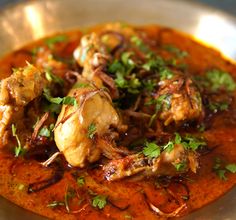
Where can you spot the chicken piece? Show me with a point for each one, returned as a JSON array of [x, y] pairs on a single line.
[[93, 56], [164, 165], [79, 129], [16, 91], [182, 100]]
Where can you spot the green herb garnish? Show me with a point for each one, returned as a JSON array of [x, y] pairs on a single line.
[[220, 79], [52, 77], [58, 100], [80, 181], [19, 150], [220, 169], [180, 166], [99, 201], [91, 130], [151, 150], [54, 40], [173, 49]]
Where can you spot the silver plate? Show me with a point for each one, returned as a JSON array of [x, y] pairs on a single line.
[[22, 23]]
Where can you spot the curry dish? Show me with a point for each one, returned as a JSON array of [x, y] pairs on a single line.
[[116, 122]]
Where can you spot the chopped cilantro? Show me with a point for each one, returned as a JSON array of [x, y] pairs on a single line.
[[68, 100], [99, 201], [221, 174], [180, 166], [192, 143], [166, 73], [173, 49], [151, 150], [140, 44], [52, 107], [19, 150], [178, 138], [218, 106], [45, 132], [58, 100], [220, 169], [80, 181], [57, 39], [169, 146], [91, 130], [155, 63], [160, 102], [231, 167], [149, 85], [116, 66], [126, 60], [220, 79], [52, 77]]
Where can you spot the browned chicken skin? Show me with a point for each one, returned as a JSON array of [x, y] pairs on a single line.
[[164, 165], [185, 103], [23, 86], [72, 130]]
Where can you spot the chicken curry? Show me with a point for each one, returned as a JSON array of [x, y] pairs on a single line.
[[116, 122]]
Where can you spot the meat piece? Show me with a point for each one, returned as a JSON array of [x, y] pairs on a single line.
[[182, 100], [16, 91], [24, 85], [94, 111], [164, 165], [93, 56]]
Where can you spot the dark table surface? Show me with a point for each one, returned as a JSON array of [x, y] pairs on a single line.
[[226, 5]]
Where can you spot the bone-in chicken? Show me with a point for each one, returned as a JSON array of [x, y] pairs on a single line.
[[93, 56], [164, 165], [82, 132], [16, 91]]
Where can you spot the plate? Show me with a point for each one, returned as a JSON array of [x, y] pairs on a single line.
[[32, 20]]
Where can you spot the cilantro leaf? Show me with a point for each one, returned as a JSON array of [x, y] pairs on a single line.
[[180, 166], [220, 79], [53, 40], [19, 150], [231, 167], [45, 132], [99, 201], [52, 77], [80, 181], [140, 44], [151, 150], [58, 100], [169, 146], [173, 49], [221, 174], [68, 100], [192, 143], [91, 130]]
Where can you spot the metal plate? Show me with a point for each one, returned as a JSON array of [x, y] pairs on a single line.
[[22, 23]]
